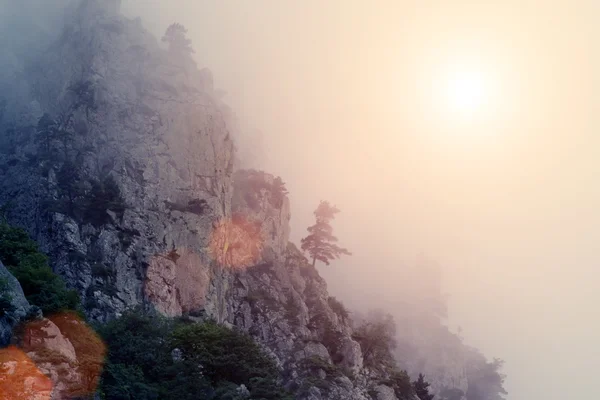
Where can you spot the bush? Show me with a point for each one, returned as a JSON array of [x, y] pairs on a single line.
[[338, 308], [229, 356], [103, 196], [422, 388], [42, 287], [6, 305], [400, 382], [214, 361], [376, 337]]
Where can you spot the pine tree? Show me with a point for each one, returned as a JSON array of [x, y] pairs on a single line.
[[422, 388], [46, 130], [320, 243], [176, 38]]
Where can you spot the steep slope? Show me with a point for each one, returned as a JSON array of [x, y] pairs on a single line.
[[121, 169], [134, 159], [117, 156]]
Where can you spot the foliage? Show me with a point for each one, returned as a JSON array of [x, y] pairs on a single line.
[[278, 192], [41, 286], [213, 362], [422, 388], [176, 38], [69, 182], [320, 243], [6, 305], [103, 196], [376, 336], [332, 340], [53, 136], [485, 380], [252, 182], [338, 308], [400, 382], [452, 394]]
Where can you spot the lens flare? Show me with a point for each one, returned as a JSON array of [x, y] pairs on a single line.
[[68, 351], [236, 243], [20, 378], [90, 351]]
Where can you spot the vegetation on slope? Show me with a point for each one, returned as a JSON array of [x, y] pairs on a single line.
[[150, 357], [42, 287]]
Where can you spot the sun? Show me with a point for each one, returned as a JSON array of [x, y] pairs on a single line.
[[466, 91]]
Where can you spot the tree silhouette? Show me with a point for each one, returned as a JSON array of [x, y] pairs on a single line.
[[422, 388], [176, 38], [320, 243], [46, 130]]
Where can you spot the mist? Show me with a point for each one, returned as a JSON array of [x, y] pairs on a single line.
[[329, 96], [509, 212]]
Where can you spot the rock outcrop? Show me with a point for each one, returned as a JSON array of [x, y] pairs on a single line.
[[121, 168], [132, 162], [118, 157], [13, 305]]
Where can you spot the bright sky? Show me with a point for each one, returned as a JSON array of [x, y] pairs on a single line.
[[465, 129]]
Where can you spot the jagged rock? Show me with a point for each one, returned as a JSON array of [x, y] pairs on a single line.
[[352, 355], [135, 116], [429, 348], [53, 355], [20, 379], [385, 393], [176, 354], [177, 284], [314, 350], [45, 334], [148, 213], [65, 350], [314, 394], [15, 305], [243, 391]]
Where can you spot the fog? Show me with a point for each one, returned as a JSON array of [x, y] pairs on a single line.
[[507, 206], [335, 98]]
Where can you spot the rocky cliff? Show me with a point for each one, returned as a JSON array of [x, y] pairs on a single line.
[[133, 160], [120, 164], [117, 156]]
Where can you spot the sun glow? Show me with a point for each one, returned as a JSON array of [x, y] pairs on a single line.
[[466, 91]]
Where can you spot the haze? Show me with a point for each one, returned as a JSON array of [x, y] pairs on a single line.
[[344, 100], [506, 203]]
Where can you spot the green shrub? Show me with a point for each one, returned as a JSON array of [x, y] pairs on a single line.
[[42, 287], [338, 308], [103, 196], [228, 356], [400, 382], [5, 305], [213, 361]]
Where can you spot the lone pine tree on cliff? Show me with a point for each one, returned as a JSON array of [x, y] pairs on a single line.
[[176, 38], [320, 243], [422, 388]]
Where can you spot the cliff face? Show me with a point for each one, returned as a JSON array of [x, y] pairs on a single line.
[[136, 136], [120, 165], [427, 347], [117, 157]]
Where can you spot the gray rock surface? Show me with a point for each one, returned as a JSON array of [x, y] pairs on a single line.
[[18, 306], [135, 200]]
